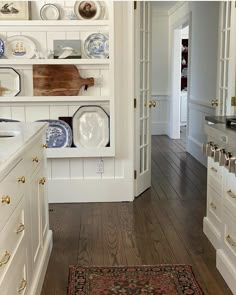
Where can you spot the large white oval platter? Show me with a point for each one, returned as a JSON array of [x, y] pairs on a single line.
[[91, 127]]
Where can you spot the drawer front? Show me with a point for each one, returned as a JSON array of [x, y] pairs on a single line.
[[15, 280], [34, 156], [11, 237], [12, 188], [214, 208], [229, 192], [214, 169], [229, 236], [215, 183]]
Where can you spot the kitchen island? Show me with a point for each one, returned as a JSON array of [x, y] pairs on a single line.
[[25, 238]]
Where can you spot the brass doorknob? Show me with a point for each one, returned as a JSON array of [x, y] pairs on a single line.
[[42, 181], [152, 104], [215, 102], [21, 179]]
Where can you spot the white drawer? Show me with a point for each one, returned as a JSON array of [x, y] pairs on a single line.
[[214, 169], [16, 276], [229, 236], [34, 156], [214, 208], [11, 237], [229, 192], [11, 192]]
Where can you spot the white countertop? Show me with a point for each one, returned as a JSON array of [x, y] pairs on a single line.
[[12, 147]]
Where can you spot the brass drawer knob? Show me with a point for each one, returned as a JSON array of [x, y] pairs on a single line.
[[23, 285], [35, 159], [213, 206], [230, 241], [21, 179], [6, 200], [42, 181], [5, 258], [20, 228], [45, 145]]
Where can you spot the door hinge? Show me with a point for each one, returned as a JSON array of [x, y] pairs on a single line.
[[233, 101], [135, 5], [135, 174], [135, 103]]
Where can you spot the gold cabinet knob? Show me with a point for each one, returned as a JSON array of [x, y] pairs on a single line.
[[5, 259], [214, 102], [42, 181], [23, 285], [152, 103], [45, 146], [20, 228], [21, 179], [35, 159], [6, 200]]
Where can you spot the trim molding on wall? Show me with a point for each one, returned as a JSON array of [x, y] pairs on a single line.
[[195, 147]]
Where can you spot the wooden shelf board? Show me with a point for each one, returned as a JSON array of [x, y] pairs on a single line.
[[80, 152], [63, 23], [52, 99], [32, 61]]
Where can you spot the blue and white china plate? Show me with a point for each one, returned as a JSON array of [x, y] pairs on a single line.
[[58, 134], [19, 47], [97, 46], [10, 81], [1, 47], [91, 127]]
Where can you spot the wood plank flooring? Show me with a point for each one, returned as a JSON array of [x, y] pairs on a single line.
[[163, 225]]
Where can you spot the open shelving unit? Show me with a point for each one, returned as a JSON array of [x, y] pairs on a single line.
[[27, 107]]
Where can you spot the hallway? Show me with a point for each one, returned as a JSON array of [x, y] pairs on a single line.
[[163, 225]]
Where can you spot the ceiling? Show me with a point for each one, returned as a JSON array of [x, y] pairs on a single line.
[[163, 5]]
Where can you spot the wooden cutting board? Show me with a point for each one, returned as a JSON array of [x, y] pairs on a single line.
[[58, 80]]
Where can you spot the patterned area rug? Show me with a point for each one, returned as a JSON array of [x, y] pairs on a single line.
[[134, 280]]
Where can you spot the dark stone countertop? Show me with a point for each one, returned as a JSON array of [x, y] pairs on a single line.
[[218, 119]]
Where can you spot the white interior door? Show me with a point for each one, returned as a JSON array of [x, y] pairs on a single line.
[[143, 104], [227, 58]]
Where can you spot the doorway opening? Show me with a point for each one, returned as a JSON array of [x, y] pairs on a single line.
[[184, 81]]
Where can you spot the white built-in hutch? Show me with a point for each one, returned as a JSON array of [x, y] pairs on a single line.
[[73, 170]]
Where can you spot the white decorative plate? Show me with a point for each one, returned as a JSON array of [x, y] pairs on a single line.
[[19, 47], [58, 134], [97, 46], [87, 9], [10, 83], [50, 12], [91, 127]]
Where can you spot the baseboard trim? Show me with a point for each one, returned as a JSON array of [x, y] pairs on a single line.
[[226, 269], [90, 190], [194, 147], [42, 267], [159, 128]]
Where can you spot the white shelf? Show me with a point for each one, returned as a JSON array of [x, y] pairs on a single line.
[[52, 99], [54, 61], [80, 152], [29, 23]]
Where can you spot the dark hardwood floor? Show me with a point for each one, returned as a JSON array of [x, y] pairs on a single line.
[[163, 225]]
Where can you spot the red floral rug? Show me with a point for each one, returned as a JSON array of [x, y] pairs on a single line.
[[133, 280]]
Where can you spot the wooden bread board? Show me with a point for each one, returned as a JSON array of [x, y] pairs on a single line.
[[58, 80]]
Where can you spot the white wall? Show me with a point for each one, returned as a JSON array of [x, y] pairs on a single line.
[[203, 72], [160, 61], [203, 18]]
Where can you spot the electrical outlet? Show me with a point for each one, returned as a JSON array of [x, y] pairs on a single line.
[[100, 166]]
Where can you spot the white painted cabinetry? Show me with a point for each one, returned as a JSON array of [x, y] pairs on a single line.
[[25, 239], [220, 221]]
